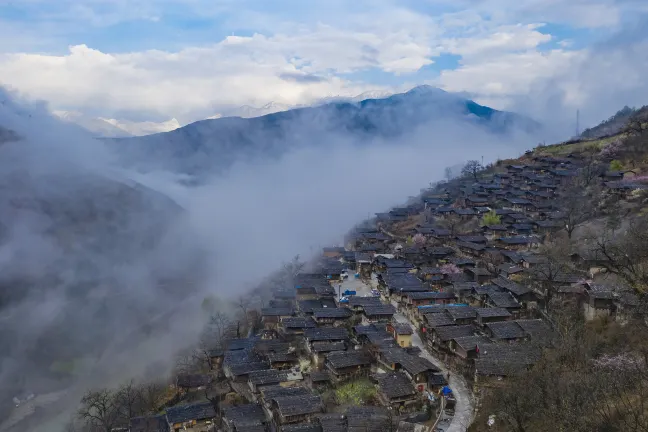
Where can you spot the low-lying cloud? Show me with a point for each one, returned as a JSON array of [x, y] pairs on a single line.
[[111, 265]]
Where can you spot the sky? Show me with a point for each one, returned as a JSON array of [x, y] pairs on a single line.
[[153, 60]]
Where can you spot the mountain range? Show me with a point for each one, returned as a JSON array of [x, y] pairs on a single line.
[[210, 145]]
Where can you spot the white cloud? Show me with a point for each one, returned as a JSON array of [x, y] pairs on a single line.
[[505, 74], [290, 69], [501, 39]]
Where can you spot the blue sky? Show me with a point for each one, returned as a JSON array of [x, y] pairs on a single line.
[[189, 59]]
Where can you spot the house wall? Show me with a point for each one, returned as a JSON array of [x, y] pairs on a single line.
[[404, 340], [591, 312]]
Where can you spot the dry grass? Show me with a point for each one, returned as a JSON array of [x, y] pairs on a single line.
[[577, 147]]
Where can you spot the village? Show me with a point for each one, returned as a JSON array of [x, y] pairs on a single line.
[[407, 325]]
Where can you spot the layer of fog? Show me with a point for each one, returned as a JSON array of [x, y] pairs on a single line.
[[234, 230]]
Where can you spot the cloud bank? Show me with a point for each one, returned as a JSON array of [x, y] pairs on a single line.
[[118, 261]]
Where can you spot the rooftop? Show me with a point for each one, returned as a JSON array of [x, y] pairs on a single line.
[[195, 411], [506, 330], [345, 359], [395, 385], [326, 333]]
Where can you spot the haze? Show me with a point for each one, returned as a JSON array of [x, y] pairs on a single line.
[[222, 237]]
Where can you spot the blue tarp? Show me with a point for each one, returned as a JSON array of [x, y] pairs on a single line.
[[446, 390], [442, 305]]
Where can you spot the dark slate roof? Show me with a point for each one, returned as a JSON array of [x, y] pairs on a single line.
[[244, 415], [383, 309], [195, 411], [511, 286], [496, 227], [439, 251], [471, 246], [509, 268], [395, 385], [472, 238], [439, 319], [519, 240], [307, 306], [402, 328], [537, 329], [271, 345], [368, 419], [268, 376], [469, 343], [273, 392], [462, 261], [246, 368], [299, 405], [464, 211], [492, 312], [326, 346], [332, 422], [522, 227], [430, 295], [157, 423], [298, 322], [363, 301], [461, 312], [326, 333], [301, 427], [251, 428], [240, 344], [506, 330], [505, 359], [411, 363], [464, 286], [486, 289], [478, 271], [344, 359], [451, 332], [332, 313], [276, 311], [503, 300], [282, 357], [514, 256]]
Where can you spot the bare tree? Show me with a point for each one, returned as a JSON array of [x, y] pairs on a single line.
[[472, 168], [152, 395], [244, 303], [98, 410], [591, 171], [578, 207], [128, 401], [626, 254], [552, 270]]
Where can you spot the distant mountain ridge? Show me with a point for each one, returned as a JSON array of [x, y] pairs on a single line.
[[212, 145]]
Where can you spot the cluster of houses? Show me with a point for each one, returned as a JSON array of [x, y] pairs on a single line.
[[309, 344], [464, 283], [459, 284]]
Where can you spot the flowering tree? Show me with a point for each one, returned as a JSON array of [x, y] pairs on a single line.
[[448, 269], [612, 150], [418, 239]]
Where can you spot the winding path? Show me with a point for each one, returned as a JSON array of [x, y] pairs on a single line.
[[464, 406]]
